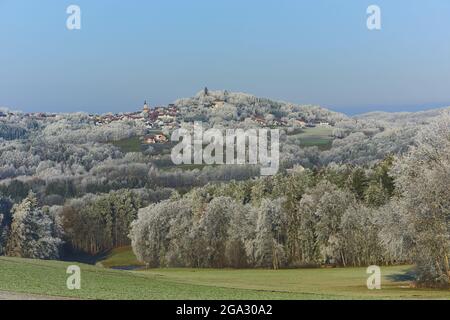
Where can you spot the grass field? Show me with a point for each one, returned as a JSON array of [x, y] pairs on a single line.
[[317, 136], [133, 144], [49, 278], [307, 137], [129, 145]]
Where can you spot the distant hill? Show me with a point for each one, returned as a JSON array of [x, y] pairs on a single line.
[[420, 117], [219, 106]]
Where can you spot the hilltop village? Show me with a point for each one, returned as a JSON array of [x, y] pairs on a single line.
[[216, 108]]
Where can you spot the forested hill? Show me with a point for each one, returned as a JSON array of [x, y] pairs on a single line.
[[219, 106]]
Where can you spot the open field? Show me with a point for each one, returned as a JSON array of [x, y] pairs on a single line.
[[318, 136], [129, 145], [307, 137], [133, 144], [49, 278]]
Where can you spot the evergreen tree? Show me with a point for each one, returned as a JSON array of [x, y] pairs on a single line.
[[5, 221], [33, 232]]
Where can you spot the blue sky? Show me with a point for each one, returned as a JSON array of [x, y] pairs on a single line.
[[317, 52]]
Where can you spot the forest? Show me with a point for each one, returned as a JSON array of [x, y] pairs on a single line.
[[378, 194]]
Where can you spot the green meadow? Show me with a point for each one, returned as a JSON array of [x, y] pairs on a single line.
[[318, 136], [49, 278]]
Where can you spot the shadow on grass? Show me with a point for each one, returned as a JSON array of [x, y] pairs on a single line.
[[128, 268], [407, 275], [82, 257]]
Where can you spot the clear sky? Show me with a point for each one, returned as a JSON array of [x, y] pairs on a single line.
[[317, 52]]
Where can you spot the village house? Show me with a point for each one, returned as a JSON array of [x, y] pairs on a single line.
[[300, 123], [260, 120], [166, 118], [324, 124], [279, 122], [158, 138]]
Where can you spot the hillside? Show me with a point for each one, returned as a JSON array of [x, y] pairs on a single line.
[[223, 107]]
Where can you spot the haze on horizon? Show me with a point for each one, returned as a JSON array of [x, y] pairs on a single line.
[[298, 51]]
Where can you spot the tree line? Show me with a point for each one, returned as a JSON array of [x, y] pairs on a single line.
[[90, 225], [396, 211], [303, 218]]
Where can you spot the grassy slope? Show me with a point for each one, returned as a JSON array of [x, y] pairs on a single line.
[[49, 278], [120, 257], [318, 136]]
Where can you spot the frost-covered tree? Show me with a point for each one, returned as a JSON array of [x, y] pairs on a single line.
[[358, 239], [33, 232], [395, 233], [240, 232], [213, 228], [150, 231], [307, 246], [422, 178], [298, 228], [270, 236], [331, 207]]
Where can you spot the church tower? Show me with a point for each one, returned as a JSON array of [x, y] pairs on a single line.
[[146, 108]]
